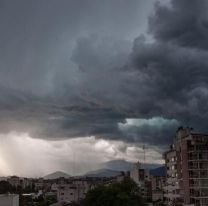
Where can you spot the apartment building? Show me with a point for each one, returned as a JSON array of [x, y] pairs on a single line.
[[142, 178], [172, 188], [187, 168], [72, 192]]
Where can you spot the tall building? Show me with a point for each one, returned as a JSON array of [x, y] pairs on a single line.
[[172, 188], [187, 168]]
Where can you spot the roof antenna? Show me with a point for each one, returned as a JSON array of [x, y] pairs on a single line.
[[144, 152], [73, 162]]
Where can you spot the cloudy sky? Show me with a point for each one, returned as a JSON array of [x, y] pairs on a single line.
[[87, 82]]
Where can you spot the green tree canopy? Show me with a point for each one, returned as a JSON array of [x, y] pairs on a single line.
[[124, 193]]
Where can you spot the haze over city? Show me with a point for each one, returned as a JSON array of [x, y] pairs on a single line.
[[86, 82]]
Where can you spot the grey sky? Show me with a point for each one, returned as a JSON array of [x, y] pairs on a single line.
[[122, 72]]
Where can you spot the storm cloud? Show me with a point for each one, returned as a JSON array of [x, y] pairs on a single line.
[[174, 65], [70, 69]]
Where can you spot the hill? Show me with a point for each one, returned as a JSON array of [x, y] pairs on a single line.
[[160, 171], [56, 175]]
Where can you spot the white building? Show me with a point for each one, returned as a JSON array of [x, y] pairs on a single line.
[[9, 200], [142, 178]]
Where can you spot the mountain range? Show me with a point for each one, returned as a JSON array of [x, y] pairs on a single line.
[[123, 165], [103, 173], [112, 169]]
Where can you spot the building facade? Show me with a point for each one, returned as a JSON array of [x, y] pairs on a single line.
[[72, 192], [172, 188], [187, 168]]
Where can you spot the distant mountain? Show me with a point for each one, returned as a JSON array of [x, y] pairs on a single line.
[[56, 175], [123, 165], [103, 173], [118, 165], [113, 168], [160, 171]]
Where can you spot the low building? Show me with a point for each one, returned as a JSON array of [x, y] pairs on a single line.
[[158, 183], [9, 200]]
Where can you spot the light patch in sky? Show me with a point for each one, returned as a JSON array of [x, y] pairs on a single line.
[[154, 122], [156, 131], [25, 156]]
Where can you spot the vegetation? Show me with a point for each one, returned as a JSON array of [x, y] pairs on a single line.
[[5, 187], [124, 193], [40, 201]]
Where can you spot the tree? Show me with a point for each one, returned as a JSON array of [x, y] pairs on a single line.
[[160, 204], [124, 193], [5, 187]]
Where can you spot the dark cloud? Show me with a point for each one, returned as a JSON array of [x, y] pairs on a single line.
[[37, 37], [68, 71], [173, 76], [175, 64], [184, 23]]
